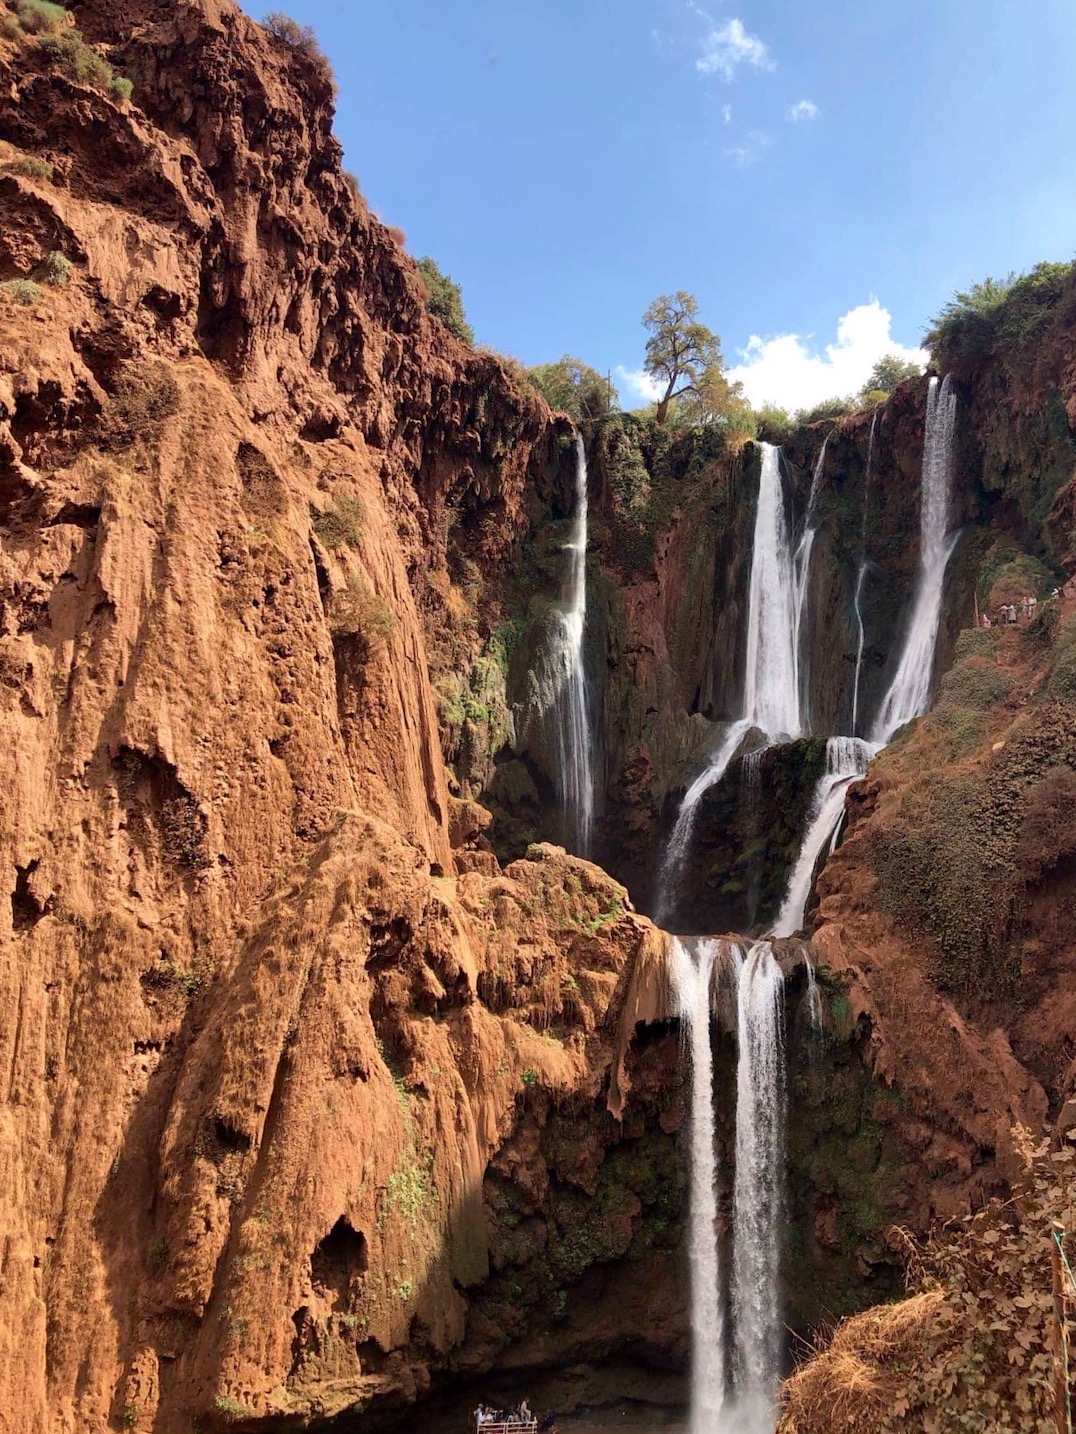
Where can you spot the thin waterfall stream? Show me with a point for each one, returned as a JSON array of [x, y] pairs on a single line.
[[574, 727], [861, 576]]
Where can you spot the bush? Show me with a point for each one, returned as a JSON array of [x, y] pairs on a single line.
[[32, 167], [573, 387], [144, 396], [56, 270], [70, 53], [352, 182], [341, 525], [444, 300], [886, 374], [997, 315], [41, 18], [22, 291], [773, 424], [122, 88], [359, 613], [301, 39], [10, 28], [828, 408]]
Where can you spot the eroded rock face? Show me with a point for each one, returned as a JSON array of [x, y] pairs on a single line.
[[309, 1107]]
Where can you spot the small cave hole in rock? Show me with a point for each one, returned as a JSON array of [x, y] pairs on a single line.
[[338, 1259], [25, 907]]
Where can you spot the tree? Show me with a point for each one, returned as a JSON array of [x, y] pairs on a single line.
[[887, 373], [679, 350], [573, 387], [444, 300], [716, 400]]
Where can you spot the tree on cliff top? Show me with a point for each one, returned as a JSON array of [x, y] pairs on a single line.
[[444, 300], [679, 350], [573, 387], [887, 373]]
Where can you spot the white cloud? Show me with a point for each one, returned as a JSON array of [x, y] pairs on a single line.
[[786, 370], [726, 48], [751, 147], [726, 113], [638, 385], [803, 110]]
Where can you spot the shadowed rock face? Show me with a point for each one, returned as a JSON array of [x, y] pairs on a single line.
[[309, 1107]]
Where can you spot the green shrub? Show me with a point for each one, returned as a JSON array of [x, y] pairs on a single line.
[[56, 270], [444, 300], [341, 525], [358, 612], [70, 53], [22, 291], [828, 408], [31, 167], [998, 314], [530, 1077], [10, 28], [573, 387], [121, 88], [773, 424], [41, 18]]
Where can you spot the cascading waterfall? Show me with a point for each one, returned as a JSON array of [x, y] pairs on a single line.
[[758, 1197], [575, 775], [693, 976], [772, 690], [802, 575], [909, 692], [861, 578], [846, 760], [772, 687], [676, 849]]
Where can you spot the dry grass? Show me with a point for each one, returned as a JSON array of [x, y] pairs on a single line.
[[849, 1386]]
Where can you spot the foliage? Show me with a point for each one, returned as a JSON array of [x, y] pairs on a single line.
[[32, 167], [10, 29], [972, 1349], [444, 300], [887, 373], [352, 182], [122, 88], [573, 387], [828, 408], [680, 349], [301, 39], [144, 396], [716, 400], [530, 1077], [341, 525], [70, 53], [40, 17], [773, 424], [22, 291], [358, 612], [997, 314], [55, 270]]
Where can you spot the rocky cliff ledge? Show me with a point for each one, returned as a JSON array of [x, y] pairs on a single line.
[[310, 1107]]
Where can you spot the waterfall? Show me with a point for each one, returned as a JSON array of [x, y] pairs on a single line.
[[909, 692], [814, 1000], [574, 776], [772, 695], [846, 759], [676, 849], [860, 576], [802, 577], [758, 1198], [693, 977]]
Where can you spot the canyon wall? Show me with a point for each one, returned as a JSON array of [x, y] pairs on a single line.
[[309, 1106]]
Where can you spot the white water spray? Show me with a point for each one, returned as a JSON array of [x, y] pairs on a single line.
[[679, 842], [772, 689], [758, 1199], [693, 976], [909, 692], [846, 759], [861, 577], [575, 775], [801, 566]]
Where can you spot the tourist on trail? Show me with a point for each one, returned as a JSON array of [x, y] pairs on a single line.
[[986, 619], [1032, 604]]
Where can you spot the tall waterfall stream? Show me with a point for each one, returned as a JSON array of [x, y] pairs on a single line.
[[738, 1334]]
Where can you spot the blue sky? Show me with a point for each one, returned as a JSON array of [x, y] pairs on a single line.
[[567, 160]]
